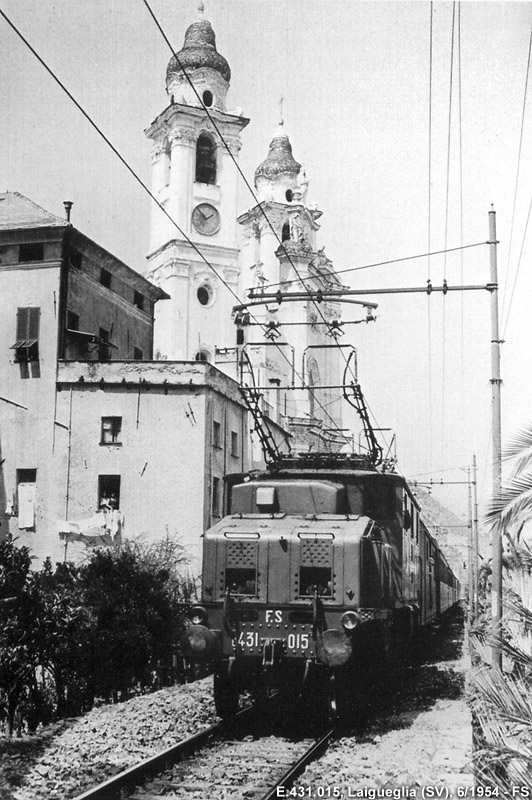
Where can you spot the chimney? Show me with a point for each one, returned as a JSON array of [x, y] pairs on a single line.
[[68, 206]]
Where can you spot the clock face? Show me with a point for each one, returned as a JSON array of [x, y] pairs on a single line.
[[206, 219]]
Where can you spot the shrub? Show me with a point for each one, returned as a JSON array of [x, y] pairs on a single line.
[[107, 628]]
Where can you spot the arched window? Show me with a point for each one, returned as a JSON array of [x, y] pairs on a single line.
[[205, 159], [286, 232]]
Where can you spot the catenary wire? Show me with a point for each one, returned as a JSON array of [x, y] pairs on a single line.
[[114, 149], [237, 165], [518, 267], [515, 196], [132, 172], [449, 131], [518, 168], [253, 193], [461, 190], [235, 162], [429, 231], [392, 261]]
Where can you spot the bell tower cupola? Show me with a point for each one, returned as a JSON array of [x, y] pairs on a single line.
[[280, 254], [193, 243], [199, 61], [277, 177]]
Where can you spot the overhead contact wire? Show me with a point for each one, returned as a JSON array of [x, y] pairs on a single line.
[[515, 197], [429, 238], [461, 201], [390, 261], [248, 185], [132, 171], [443, 372], [114, 149]]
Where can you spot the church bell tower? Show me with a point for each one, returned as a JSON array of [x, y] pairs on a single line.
[[279, 253], [195, 180]]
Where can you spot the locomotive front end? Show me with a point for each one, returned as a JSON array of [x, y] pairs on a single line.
[[281, 589]]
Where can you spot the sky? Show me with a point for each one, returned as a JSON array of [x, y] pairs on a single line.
[[355, 79]]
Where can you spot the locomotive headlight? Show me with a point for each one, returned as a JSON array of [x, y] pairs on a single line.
[[334, 648], [199, 643], [197, 615], [350, 620]]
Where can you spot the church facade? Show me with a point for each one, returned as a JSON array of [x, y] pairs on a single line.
[[121, 409], [215, 259]]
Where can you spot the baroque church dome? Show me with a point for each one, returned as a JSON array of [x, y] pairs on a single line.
[[279, 160], [199, 51]]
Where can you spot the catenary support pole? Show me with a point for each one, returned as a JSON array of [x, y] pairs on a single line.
[[475, 540], [496, 592], [470, 560]]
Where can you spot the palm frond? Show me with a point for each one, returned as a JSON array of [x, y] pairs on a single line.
[[492, 767], [510, 702], [513, 504], [520, 444], [514, 605], [481, 648]]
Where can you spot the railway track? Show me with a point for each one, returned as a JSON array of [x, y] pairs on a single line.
[[226, 760]]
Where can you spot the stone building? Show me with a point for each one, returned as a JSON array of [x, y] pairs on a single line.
[[119, 412], [93, 433], [279, 254], [196, 142]]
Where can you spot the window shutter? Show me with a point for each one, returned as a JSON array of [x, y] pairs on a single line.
[[28, 323], [33, 323], [22, 324]]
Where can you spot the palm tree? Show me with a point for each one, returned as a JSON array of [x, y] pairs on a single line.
[[502, 700]]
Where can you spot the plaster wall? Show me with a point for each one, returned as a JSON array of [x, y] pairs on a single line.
[[159, 459], [99, 307], [168, 454], [27, 413]]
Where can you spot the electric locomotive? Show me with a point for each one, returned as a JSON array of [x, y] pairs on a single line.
[[318, 577]]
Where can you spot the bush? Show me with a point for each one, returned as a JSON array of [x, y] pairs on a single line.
[[107, 628]]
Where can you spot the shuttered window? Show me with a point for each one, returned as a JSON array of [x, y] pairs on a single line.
[[26, 346]]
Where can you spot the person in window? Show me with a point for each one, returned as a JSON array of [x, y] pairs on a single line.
[[109, 502]]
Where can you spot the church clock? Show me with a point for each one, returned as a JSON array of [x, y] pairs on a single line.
[[206, 219]]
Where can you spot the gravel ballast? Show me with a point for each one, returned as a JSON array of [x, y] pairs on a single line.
[[419, 737], [73, 755]]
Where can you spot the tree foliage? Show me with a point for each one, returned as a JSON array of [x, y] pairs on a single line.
[[501, 700], [104, 629]]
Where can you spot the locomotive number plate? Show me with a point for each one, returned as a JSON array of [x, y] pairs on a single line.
[[295, 641], [298, 641], [249, 639]]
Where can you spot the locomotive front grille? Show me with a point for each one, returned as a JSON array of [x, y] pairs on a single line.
[[316, 553], [315, 567], [240, 573], [241, 554]]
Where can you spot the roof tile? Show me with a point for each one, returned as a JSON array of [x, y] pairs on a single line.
[[17, 211]]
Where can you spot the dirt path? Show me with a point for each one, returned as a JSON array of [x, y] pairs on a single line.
[[421, 738]]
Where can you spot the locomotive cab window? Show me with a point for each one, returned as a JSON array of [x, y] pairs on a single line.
[[241, 580], [315, 577]]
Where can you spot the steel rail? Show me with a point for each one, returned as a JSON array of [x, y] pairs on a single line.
[[133, 776], [315, 751]]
